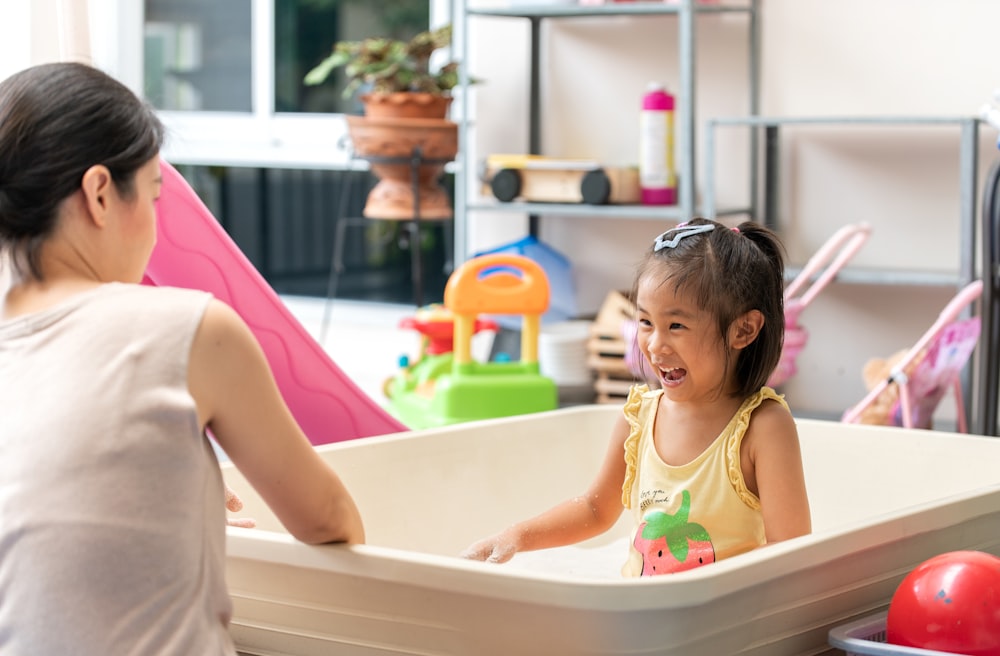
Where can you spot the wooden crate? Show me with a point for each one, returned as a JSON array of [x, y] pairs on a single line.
[[606, 350]]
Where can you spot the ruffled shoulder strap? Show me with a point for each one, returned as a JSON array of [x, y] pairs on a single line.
[[633, 414], [738, 428]]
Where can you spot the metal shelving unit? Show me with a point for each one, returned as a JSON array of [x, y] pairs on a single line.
[[764, 199], [683, 12], [765, 182]]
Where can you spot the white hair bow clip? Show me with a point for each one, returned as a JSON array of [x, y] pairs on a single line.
[[680, 232]]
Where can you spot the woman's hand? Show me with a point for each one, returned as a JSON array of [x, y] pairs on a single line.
[[239, 401], [234, 504]]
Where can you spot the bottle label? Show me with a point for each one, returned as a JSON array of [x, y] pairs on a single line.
[[656, 150]]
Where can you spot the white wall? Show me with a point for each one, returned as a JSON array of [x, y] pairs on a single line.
[[42, 31], [855, 57], [888, 57], [15, 40], [93, 31]]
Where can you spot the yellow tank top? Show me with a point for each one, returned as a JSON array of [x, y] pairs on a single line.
[[693, 514]]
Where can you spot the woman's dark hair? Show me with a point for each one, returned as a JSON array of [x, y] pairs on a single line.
[[56, 121], [728, 273]]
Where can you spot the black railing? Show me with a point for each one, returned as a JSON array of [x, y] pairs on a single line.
[[284, 220]]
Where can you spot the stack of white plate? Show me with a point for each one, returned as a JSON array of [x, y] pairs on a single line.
[[562, 353]]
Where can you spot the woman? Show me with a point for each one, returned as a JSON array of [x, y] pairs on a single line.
[[112, 524]]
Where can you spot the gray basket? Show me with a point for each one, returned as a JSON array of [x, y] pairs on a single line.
[[866, 637]]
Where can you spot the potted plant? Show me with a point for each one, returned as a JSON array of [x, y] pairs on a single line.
[[396, 73], [404, 129]]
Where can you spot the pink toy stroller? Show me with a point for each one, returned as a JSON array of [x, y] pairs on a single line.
[[839, 248], [929, 369]]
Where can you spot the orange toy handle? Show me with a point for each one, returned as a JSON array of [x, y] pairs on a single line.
[[499, 283]]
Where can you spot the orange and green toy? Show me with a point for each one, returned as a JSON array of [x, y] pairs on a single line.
[[450, 387], [436, 325]]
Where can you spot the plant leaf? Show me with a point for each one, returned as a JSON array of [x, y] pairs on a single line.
[[391, 65], [322, 70]]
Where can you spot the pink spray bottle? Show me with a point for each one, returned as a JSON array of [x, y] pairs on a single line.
[[657, 176]]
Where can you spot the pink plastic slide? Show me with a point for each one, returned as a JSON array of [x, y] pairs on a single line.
[[193, 251]]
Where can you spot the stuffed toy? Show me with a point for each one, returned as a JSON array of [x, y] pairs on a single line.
[[930, 369], [882, 409], [885, 409]]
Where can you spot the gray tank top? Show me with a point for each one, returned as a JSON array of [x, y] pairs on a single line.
[[112, 523]]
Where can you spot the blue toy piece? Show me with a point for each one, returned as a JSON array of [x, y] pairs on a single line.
[[559, 272]]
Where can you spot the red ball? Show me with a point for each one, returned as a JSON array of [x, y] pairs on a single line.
[[949, 603]]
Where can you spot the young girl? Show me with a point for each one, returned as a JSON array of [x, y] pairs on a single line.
[[708, 464]]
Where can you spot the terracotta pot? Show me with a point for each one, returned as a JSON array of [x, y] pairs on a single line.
[[405, 104], [397, 139]]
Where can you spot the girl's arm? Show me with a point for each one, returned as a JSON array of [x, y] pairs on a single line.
[[775, 467], [238, 399], [571, 521]]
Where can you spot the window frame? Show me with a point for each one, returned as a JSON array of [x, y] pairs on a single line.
[[260, 138]]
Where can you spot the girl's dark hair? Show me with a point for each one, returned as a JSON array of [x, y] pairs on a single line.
[[729, 272], [56, 121]]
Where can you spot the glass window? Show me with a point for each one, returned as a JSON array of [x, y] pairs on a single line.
[[197, 55], [265, 151], [305, 31]]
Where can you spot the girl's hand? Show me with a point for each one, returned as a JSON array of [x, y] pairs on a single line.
[[234, 504], [571, 521], [496, 549]]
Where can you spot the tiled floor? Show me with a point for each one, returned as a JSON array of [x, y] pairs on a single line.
[[363, 339]]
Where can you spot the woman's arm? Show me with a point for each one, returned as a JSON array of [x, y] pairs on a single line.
[[771, 448], [573, 520], [238, 399]]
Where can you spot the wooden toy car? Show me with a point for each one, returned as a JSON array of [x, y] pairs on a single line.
[[535, 178]]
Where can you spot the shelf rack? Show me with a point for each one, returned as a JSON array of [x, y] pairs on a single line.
[[763, 204], [764, 185], [685, 12]]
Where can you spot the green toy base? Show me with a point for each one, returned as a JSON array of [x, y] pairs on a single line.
[[492, 390]]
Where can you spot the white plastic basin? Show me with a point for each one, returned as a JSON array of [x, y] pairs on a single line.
[[883, 500]]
